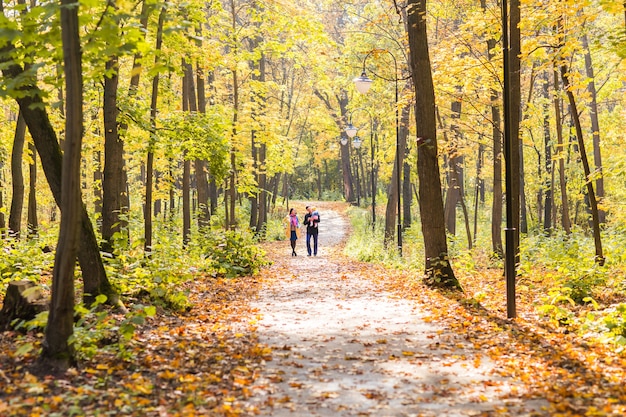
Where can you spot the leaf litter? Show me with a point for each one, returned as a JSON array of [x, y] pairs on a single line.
[[326, 336]]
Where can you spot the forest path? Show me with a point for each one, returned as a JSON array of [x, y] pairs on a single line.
[[343, 346]]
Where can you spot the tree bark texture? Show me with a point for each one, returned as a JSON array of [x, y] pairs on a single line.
[[595, 221], [437, 264], [17, 178], [33, 223], [200, 166], [391, 211], [112, 183], [150, 157], [595, 127], [560, 156], [547, 209], [57, 353]]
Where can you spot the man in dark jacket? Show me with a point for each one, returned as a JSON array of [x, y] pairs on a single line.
[[311, 221]]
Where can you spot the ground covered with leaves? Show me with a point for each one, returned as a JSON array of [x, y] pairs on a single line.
[[198, 363], [328, 336]]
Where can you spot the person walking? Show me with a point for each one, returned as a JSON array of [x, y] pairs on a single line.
[[292, 229], [311, 221]]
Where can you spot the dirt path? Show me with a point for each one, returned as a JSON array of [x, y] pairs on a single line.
[[344, 347]]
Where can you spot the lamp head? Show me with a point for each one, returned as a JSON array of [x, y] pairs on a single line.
[[351, 130], [362, 83], [356, 142], [343, 140]]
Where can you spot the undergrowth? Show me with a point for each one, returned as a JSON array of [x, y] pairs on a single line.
[[146, 281], [557, 276]]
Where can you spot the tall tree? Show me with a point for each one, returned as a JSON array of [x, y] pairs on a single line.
[[152, 140], [112, 199], [547, 213], [29, 97], [17, 177], [57, 352], [391, 211], [595, 218], [560, 156], [33, 223], [595, 126], [437, 264]]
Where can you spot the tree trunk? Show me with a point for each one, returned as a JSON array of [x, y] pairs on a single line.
[[97, 187], [33, 223], [595, 128], [391, 211], [189, 105], [200, 165], [547, 213], [559, 154], [44, 136], [455, 170], [479, 167], [150, 157], [407, 195], [437, 264], [599, 258], [112, 221], [3, 224], [17, 178], [232, 189], [58, 353], [496, 132]]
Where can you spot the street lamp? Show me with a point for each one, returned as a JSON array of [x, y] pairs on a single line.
[[349, 131], [363, 84]]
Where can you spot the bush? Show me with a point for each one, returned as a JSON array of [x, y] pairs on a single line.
[[233, 253]]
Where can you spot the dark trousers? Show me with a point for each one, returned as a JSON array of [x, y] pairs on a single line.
[[311, 234]]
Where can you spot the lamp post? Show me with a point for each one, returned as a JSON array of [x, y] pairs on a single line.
[[356, 144], [351, 131], [363, 84]]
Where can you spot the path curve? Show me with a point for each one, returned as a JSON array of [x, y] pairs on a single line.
[[342, 346]]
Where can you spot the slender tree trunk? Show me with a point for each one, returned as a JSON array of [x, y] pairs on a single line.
[[17, 178], [232, 189], [455, 171], [496, 129], [547, 214], [479, 166], [151, 143], [3, 224], [97, 184], [200, 165], [599, 258], [560, 156], [437, 264], [112, 221], [407, 195], [58, 353], [595, 128], [189, 104], [33, 223], [391, 211]]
